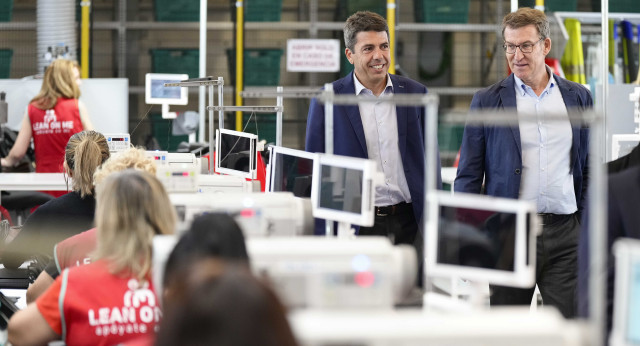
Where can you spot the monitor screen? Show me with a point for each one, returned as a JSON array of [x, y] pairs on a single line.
[[483, 238], [236, 153], [290, 170], [157, 93], [626, 297], [343, 189]]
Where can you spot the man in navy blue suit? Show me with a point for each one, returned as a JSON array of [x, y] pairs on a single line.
[[392, 136], [543, 161]]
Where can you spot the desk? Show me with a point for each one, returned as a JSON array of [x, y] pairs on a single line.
[[33, 182]]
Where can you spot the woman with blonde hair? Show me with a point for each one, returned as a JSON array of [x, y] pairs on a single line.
[[52, 117], [66, 215], [75, 250], [112, 299]]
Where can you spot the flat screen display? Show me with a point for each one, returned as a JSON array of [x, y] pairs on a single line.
[[341, 189], [159, 91], [477, 238], [633, 321], [290, 170], [234, 152]]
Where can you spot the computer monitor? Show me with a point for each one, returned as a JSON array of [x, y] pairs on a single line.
[[343, 189], [157, 94], [236, 153], [290, 170], [483, 239], [626, 301]]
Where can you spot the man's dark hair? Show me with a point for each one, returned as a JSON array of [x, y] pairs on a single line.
[[363, 21]]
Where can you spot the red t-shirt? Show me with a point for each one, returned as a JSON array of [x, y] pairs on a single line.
[[88, 305], [51, 130], [74, 251]]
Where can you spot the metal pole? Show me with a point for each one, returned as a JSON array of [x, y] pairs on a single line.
[[430, 210], [211, 129], [328, 142], [202, 68], [279, 103], [597, 234]]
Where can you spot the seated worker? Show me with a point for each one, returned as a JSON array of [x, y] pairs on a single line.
[[75, 250], [111, 300], [66, 215], [224, 305], [212, 235], [52, 117]]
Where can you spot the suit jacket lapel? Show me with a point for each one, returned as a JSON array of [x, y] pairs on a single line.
[[351, 112], [401, 115], [508, 99]]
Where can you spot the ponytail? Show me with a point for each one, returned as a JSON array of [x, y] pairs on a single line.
[[85, 152]]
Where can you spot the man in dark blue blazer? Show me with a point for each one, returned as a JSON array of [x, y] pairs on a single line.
[[392, 136], [623, 221], [543, 161]]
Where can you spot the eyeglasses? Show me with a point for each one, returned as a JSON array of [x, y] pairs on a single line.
[[524, 48]]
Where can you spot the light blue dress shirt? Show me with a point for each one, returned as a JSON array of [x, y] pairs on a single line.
[[546, 149], [380, 124]]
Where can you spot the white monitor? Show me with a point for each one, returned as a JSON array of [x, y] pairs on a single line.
[[290, 170], [236, 153], [626, 301], [343, 189], [157, 94], [482, 238], [118, 141]]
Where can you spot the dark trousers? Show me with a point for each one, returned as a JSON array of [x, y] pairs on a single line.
[[400, 228], [556, 268]]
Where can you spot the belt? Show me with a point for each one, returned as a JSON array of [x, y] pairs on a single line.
[[395, 209], [548, 218]]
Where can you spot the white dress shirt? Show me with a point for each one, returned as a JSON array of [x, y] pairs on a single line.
[[380, 124], [546, 149]]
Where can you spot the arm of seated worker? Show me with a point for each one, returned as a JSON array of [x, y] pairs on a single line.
[[84, 117], [40, 322], [42, 283], [28, 327]]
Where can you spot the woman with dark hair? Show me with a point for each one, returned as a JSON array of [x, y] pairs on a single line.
[[225, 306], [66, 215]]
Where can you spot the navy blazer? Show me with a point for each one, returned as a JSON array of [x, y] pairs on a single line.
[[494, 152], [623, 220], [349, 140]]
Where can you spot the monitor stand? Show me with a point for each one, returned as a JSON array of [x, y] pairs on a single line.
[[166, 114], [437, 301]]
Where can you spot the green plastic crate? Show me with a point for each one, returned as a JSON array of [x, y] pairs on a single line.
[[261, 124], [259, 10], [6, 9], [450, 137], [177, 10], [5, 63], [441, 11], [161, 130], [348, 7], [175, 61], [552, 5], [620, 6], [261, 66]]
